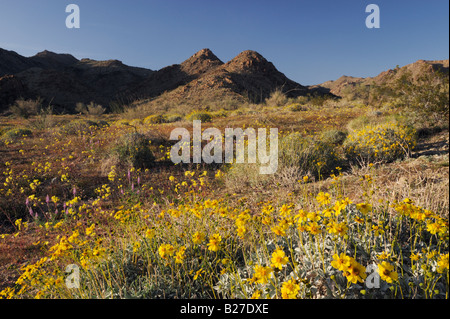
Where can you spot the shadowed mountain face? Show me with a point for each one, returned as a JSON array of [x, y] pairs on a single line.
[[63, 80]]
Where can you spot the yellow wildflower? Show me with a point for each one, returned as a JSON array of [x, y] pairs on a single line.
[[386, 272], [290, 289], [214, 242], [278, 259]]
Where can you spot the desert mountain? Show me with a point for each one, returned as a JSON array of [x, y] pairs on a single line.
[[347, 84], [63, 80], [248, 76], [171, 77]]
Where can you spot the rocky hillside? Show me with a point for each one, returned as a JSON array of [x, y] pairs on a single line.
[[63, 80], [347, 84], [247, 77]]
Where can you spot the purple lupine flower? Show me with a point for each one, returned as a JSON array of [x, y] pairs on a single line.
[[139, 181], [47, 199], [74, 191], [31, 211], [129, 175], [121, 191], [27, 201], [132, 186]]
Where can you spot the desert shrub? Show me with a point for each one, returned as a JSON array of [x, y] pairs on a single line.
[[3, 130], [173, 118], [133, 149], [298, 156], [384, 142], [15, 134], [155, 119], [295, 107], [121, 122], [277, 98], [309, 155], [359, 122], [203, 116], [80, 126], [136, 122], [219, 113], [92, 109], [26, 108], [335, 137]]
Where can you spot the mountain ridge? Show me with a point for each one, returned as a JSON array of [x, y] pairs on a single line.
[[63, 80]]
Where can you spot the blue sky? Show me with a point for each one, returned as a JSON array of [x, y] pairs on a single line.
[[311, 41]]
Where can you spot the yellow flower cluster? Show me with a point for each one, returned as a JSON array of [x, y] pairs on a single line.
[[383, 142]]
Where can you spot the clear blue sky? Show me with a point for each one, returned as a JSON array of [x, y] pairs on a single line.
[[311, 41]]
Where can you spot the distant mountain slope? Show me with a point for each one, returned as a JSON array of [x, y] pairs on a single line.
[[346, 84]]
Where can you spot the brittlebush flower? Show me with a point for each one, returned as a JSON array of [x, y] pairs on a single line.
[[313, 228], [262, 274], [323, 198], [165, 250], [338, 207], [214, 242], [355, 272], [179, 256], [198, 237], [341, 262], [256, 295], [415, 257], [290, 289], [364, 208], [385, 270], [278, 259], [90, 230], [434, 228], [442, 263]]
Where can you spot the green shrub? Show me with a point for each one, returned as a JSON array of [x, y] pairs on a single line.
[[155, 119], [380, 143], [311, 156], [203, 116], [15, 134], [136, 122], [80, 126], [219, 113], [334, 137], [173, 118], [121, 122], [276, 98], [134, 149], [296, 107]]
